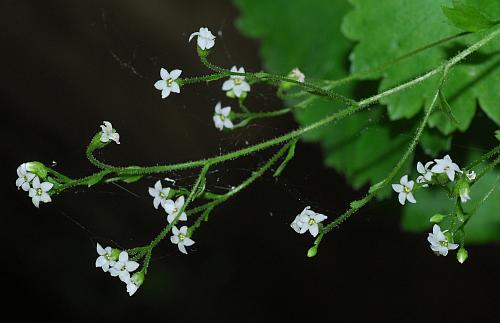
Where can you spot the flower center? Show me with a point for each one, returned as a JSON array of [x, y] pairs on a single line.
[[181, 236], [311, 221], [237, 81], [170, 82], [39, 191], [444, 243], [406, 189], [222, 117], [162, 195]]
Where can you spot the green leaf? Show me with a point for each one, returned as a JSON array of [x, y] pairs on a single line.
[[467, 17], [414, 24], [96, 179], [497, 134], [365, 146]]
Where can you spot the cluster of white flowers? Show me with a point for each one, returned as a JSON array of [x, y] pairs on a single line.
[[29, 182], [308, 220], [236, 86], [108, 133], [118, 264], [427, 171], [172, 208]]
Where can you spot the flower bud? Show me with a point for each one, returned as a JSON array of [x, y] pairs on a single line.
[[37, 168], [462, 189], [115, 253], [436, 218], [462, 255], [312, 251], [138, 278]]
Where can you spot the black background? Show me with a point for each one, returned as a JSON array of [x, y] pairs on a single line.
[[68, 65]]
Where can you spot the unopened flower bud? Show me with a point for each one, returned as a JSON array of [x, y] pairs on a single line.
[[462, 255], [312, 251], [37, 168], [436, 218]]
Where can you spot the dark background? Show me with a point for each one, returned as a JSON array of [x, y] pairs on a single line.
[[69, 65]]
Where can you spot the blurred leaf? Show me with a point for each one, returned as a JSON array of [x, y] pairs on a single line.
[[467, 17], [414, 24], [364, 146], [497, 134]]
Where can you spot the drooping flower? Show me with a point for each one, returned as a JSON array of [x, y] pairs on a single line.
[[123, 267], [425, 171], [167, 83], [38, 191], [180, 239], [464, 194], [236, 83], [308, 220], [298, 75], [471, 175], [439, 242], [108, 133], [172, 208], [107, 258], [134, 283], [206, 39], [221, 117], [446, 165], [159, 193], [25, 177], [405, 190]]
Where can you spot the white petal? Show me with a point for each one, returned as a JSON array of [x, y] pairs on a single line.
[[227, 85], [237, 90], [228, 124], [402, 198], [124, 276], [174, 75], [46, 186], [153, 192], [192, 35], [452, 246], [123, 256], [100, 249], [160, 85], [156, 202], [45, 198], [183, 230], [225, 111], [420, 168], [219, 124], [174, 239], [234, 69], [218, 108], [25, 186], [32, 192], [410, 198], [36, 182], [210, 43], [451, 174], [179, 203], [202, 42], [131, 266], [171, 217], [165, 92], [188, 242], [404, 180], [175, 88], [319, 217], [245, 87], [36, 200], [313, 229], [164, 74], [181, 248], [438, 168], [175, 231], [131, 289], [397, 188], [183, 217]]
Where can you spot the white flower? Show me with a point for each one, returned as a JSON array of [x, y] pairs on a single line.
[[105, 259], [179, 238], [471, 175], [206, 39], [404, 189], [439, 242], [221, 117], [123, 267], [167, 83], [308, 220], [159, 193], [38, 191], [131, 288], [236, 83], [25, 178], [298, 75], [108, 133], [173, 208], [464, 194], [446, 165], [425, 171]]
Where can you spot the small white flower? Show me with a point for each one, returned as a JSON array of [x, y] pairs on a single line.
[[108, 133], [25, 177], [159, 193], [439, 242], [206, 39], [167, 83], [38, 191], [179, 238], [298, 75], [308, 220], [425, 171], [123, 267], [464, 195], [172, 208], [236, 83], [446, 165], [221, 117], [471, 175], [404, 189], [105, 259]]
